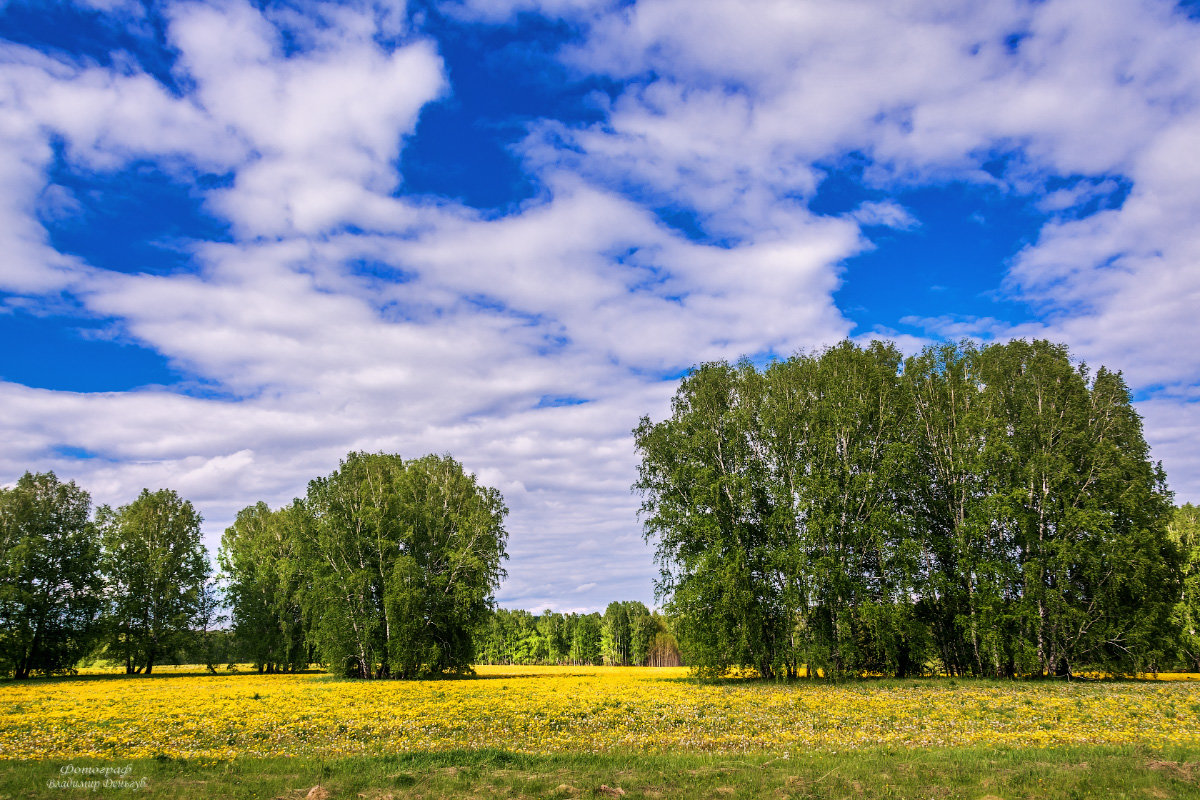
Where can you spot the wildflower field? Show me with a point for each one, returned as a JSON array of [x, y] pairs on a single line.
[[575, 732], [548, 710]]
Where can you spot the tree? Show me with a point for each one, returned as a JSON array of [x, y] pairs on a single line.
[[585, 639], [404, 558], [155, 569], [260, 557], [552, 628], [653, 643], [1080, 510], [707, 503], [1185, 531], [845, 530], [966, 570], [773, 499], [510, 637], [49, 580], [645, 628], [616, 631]]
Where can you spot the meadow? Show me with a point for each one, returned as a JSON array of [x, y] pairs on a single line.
[[625, 727]]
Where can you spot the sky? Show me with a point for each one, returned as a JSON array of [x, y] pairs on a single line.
[[239, 239]]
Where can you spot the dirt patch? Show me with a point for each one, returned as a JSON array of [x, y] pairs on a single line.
[[1184, 770]]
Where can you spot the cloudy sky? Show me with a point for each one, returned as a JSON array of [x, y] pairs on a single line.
[[240, 239]]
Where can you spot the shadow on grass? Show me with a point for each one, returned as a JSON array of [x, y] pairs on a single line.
[[39, 680], [876, 682]]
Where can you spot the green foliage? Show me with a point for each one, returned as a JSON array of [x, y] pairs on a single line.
[[261, 560], [708, 505], [49, 579], [156, 571], [1078, 513], [585, 640], [617, 633], [1184, 531], [989, 511], [402, 559]]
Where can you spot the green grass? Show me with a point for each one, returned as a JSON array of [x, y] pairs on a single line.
[[978, 774]]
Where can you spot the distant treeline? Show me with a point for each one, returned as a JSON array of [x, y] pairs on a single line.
[[626, 634], [972, 510]]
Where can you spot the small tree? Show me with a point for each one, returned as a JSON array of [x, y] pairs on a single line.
[[155, 569]]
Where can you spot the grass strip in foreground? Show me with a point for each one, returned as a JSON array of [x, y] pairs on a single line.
[[975, 773]]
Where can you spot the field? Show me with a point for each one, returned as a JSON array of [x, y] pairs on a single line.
[[571, 722]]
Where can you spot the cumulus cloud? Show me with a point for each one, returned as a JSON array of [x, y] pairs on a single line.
[[324, 126]]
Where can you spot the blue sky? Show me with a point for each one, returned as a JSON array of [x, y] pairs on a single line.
[[243, 238]]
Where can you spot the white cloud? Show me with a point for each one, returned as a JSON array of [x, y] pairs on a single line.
[[325, 126], [464, 322], [504, 11], [732, 106], [885, 213], [1082, 192]]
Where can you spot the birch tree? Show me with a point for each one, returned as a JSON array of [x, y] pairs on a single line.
[[404, 558], [49, 576], [155, 569]]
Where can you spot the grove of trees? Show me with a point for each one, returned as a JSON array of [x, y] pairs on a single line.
[[133, 582], [385, 569], [978, 510]]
